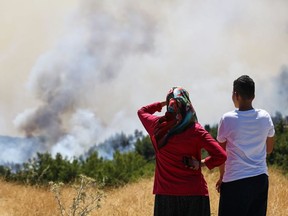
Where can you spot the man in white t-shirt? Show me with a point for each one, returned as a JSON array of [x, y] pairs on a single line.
[[247, 135]]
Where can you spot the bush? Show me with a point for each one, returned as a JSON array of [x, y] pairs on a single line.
[[86, 198]]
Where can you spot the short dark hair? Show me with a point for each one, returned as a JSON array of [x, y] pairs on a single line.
[[245, 87]]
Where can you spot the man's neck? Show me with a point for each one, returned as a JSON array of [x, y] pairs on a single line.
[[245, 107]]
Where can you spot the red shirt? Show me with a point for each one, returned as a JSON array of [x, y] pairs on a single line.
[[171, 175]]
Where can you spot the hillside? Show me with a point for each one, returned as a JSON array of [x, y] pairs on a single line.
[[134, 199]]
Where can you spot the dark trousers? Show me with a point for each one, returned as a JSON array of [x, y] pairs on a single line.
[[181, 205], [244, 197]]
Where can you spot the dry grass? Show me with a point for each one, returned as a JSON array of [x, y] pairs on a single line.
[[132, 200], [18, 200]]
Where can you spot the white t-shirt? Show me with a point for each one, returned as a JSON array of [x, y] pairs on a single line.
[[246, 133]]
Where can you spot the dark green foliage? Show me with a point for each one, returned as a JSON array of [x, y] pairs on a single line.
[[58, 169], [212, 130], [144, 147], [5, 172], [133, 158], [123, 168], [279, 156], [43, 169], [93, 166]]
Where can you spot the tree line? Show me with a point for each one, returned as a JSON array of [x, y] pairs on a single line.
[[132, 158]]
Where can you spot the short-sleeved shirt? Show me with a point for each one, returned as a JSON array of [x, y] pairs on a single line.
[[246, 133]]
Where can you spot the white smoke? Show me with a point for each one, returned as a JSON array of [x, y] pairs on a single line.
[[85, 130], [282, 88], [18, 150], [80, 71], [118, 56]]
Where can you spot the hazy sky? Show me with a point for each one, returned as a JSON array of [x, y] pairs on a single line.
[[58, 58]]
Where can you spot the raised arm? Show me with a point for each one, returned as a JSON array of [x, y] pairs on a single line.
[[146, 116]]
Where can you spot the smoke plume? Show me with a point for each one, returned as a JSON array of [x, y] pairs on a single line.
[[80, 71], [118, 56], [282, 86]]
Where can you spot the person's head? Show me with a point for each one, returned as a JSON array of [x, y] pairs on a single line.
[[243, 91], [178, 96], [179, 116]]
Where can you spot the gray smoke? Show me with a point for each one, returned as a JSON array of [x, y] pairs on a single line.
[[282, 86], [118, 56], [80, 71]]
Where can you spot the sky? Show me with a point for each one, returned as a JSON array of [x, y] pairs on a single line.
[[77, 71]]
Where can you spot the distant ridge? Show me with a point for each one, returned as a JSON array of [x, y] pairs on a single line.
[[18, 149]]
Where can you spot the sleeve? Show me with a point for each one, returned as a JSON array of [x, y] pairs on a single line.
[[217, 154], [271, 131], [147, 118], [221, 131]]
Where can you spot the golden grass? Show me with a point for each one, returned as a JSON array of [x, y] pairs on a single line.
[[132, 200], [19, 200]]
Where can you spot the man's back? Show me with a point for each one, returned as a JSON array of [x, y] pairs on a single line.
[[246, 133]]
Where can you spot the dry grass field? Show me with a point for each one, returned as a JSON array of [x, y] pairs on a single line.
[[132, 200]]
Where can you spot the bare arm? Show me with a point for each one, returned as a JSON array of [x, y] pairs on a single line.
[[221, 170], [269, 144]]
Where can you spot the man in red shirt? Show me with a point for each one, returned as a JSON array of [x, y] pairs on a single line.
[[177, 138]]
